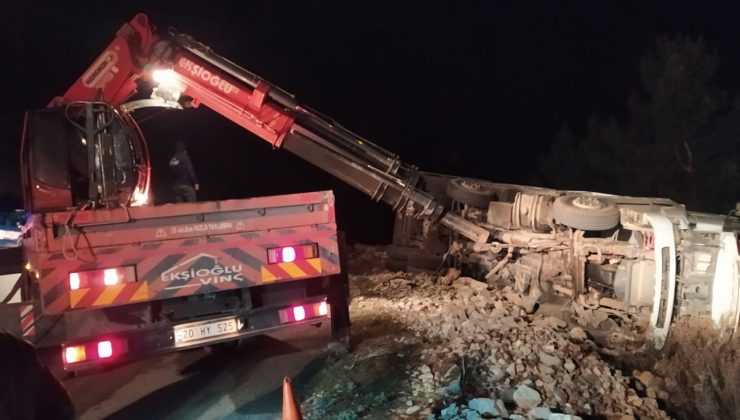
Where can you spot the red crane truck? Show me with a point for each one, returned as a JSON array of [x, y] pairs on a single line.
[[109, 277]]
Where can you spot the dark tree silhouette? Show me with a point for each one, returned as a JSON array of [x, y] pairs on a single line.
[[681, 138]]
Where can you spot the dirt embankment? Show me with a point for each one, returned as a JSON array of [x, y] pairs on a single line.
[[701, 372]]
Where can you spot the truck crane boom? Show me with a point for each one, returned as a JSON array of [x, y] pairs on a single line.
[[185, 68]]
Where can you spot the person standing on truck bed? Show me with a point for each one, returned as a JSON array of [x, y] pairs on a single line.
[[184, 181]]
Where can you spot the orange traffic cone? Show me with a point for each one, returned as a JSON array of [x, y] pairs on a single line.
[[291, 410]]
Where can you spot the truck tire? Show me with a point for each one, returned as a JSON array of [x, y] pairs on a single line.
[[585, 212], [470, 192], [438, 191]]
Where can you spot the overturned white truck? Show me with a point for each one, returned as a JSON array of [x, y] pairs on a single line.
[[644, 262]]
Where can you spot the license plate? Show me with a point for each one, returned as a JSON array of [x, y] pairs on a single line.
[[202, 330]]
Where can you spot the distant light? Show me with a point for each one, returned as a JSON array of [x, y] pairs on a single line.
[[299, 314], [9, 234]]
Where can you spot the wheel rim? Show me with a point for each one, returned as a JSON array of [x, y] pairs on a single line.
[[588, 203], [471, 185]]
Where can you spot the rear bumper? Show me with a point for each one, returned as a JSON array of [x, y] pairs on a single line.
[[148, 342]]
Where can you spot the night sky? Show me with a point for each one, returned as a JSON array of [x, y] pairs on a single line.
[[476, 88]]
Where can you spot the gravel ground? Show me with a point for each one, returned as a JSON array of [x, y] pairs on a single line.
[[450, 348]]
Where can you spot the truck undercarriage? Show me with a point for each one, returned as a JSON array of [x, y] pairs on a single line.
[[642, 261]]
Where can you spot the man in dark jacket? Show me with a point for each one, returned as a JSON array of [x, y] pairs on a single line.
[[184, 182]]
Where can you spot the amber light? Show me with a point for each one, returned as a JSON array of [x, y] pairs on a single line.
[[323, 308], [74, 354]]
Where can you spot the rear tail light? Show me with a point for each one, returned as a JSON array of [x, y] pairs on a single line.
[[105, 349], [102, 277], [74, 354], [110, 277], [74, 281], [323, 308], [94, 350], [287, 254], [303, 312], [299, 314]]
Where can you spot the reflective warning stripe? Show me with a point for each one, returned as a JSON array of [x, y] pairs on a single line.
[[315, 263], [75, 296], [28, 327], [108, 295], [142, 293], [291, 270]]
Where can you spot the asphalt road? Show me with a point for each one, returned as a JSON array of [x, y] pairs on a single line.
[[242, 382]]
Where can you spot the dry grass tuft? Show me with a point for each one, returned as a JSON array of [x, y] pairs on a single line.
[[375, 355]]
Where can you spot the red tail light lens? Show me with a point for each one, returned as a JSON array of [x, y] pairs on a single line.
[[74, 281], [287, 254], [101, 278], [105, 349], [110, 276], [299, 313]]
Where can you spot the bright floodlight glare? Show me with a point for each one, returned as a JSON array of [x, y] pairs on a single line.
[[165, 77], [140, 198]]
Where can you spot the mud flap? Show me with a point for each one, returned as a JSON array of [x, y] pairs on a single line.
[[338, 298]]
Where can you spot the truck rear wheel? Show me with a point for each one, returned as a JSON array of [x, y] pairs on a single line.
[[585, 212]]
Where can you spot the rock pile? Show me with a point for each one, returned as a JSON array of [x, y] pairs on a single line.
[[484, 357]]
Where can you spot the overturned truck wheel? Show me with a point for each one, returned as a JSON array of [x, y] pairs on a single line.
[[585, 212], [470, 192]]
